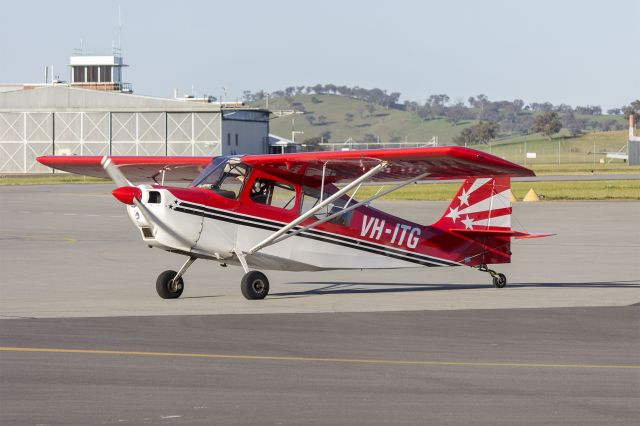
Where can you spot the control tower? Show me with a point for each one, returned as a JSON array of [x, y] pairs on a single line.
[[98, 72]]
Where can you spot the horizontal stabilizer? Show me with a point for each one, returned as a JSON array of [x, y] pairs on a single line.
[[497, 233]]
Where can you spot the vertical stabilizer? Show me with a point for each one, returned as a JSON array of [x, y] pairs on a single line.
[[480, 204]]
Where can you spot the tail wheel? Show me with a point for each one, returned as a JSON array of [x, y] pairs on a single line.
[[167, 287], [499, 280], [254, 285]]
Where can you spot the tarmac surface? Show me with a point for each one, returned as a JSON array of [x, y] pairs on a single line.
[[87, 341]]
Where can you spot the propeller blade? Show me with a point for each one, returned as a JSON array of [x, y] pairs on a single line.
[[128, 193], [114, 172]]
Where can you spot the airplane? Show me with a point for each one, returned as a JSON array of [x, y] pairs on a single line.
[[299, 212]]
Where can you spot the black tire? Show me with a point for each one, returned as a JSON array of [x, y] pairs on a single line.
[[254, 285], [165, 288], [499, 280]]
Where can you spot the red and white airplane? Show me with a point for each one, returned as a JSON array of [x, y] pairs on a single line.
[[298, 212]]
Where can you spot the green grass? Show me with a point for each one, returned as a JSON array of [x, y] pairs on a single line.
[[563, 190], [384, 123], [390, 123], [47, 180], [578, 150], [584, 169]]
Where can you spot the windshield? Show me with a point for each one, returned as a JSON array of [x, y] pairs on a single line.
[[223, 176]]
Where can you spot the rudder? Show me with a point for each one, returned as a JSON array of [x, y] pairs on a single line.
[[481, 204]]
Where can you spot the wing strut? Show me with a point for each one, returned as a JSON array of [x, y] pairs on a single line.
[[269, 240], [353, 207]]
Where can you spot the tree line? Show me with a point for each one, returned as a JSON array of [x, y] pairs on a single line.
[[373, 96], [506, 117]]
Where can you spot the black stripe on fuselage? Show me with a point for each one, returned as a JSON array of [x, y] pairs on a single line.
[[278, 225], [323, 236]]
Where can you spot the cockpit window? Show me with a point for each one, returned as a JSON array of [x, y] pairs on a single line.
[[311, 198], [223, 177]]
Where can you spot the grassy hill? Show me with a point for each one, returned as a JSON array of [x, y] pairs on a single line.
[[386, 124], [341, 118]]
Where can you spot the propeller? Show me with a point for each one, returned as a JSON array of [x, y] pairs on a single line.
[[114, 172], [127, 193]]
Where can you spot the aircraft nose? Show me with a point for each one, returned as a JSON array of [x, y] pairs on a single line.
[[126, 194]]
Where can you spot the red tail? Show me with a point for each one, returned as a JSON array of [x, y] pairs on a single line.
[[480, 216], [481, 204]]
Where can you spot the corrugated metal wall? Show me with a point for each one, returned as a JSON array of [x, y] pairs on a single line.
[[27, 135]]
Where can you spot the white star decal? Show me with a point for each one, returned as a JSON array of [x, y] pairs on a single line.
[[453, 214], [464, 198], [468, 223]]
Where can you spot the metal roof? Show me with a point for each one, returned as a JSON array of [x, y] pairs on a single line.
[[63, 98]]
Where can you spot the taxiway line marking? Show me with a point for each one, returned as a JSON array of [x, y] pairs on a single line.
[[314, 359]]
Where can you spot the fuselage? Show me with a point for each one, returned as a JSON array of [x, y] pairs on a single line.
[[230, 209], [201, 223]]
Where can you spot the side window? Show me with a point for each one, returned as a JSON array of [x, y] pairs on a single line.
[[312, 198], [273, 193]]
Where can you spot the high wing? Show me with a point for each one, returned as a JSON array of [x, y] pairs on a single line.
[[135, 169], [451, 162], [397, 166]]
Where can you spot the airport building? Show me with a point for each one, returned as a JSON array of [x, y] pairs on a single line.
[[59, 119], [96, 113]]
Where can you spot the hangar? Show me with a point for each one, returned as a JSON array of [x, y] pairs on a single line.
[[58, 119]]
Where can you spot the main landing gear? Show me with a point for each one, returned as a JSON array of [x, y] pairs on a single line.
[[254, 284], [499, 280], [170, 284]]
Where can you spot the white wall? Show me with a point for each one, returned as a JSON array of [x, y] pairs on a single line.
[[252, 137]]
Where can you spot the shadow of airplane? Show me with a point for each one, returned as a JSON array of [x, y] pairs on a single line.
[[201, 297], [392, 287]]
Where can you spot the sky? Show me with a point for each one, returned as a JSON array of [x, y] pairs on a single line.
[[573, 52]]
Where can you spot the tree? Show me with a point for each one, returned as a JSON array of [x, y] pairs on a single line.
[[310, 118], [570, 122], [548, 123], [465, 137], [322, 120], [634, 109], [370, 108], [486, 131], [312, 144], [456, 113], [348, 117], [482, 132], [370, 138]]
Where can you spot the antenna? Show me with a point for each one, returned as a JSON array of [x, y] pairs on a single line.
[[119, 29]]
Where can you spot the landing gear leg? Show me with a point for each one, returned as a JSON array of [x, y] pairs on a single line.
[[170, 284], [254, 284], [499, 280]]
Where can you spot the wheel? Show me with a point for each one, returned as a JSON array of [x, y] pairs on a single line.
[[254, 285], [499, 280], [166, 288]]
